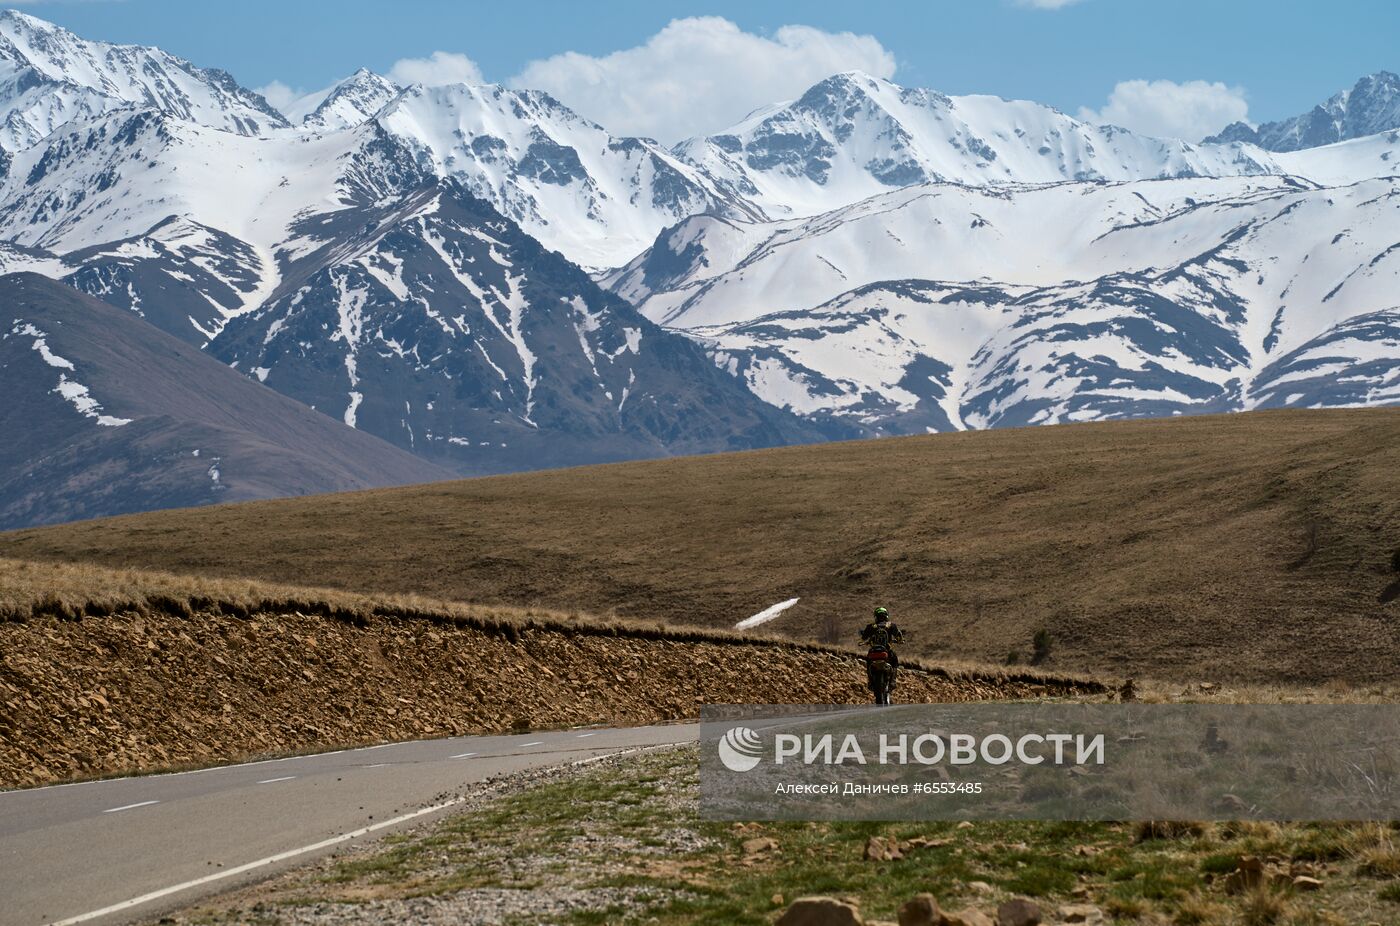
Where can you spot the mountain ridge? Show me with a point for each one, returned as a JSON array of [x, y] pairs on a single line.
[[49, 76], [1370, 107], [118, 417]]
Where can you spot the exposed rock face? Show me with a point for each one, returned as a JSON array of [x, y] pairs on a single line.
[[435, 323], [48, 76], [1370, 107]]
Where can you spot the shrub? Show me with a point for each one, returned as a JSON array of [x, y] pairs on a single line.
[[1040, 646], [1168, 829]]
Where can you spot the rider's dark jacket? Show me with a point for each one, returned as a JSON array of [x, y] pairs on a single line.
[[884, 636]]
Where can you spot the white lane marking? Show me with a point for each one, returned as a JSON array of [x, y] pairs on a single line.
[[273, 781], [131, 806], [219, 768], [293, 853], [535, 743], [582, 735], [252, 866], [626, 752], [375, 765], [462, 755]]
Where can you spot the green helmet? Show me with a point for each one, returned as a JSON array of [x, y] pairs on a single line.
[[881, 614]]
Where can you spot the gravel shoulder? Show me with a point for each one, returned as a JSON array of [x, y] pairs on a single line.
[[620, 841]]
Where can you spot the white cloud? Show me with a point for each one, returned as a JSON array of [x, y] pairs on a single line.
[[294, 103], [700, 75], [1190, 110], [441, 67], [277, 93], [1046, 4]]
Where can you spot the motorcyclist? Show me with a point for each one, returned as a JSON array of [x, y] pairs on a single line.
[[882, 634]]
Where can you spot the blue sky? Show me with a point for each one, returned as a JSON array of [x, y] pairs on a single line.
[[1196, 62]]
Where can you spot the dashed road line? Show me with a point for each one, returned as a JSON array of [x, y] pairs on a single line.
[[462, 755], [131, 806], [252, 866], [273, 781]]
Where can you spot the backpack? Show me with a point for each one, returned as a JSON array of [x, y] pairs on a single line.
[[877, 636]]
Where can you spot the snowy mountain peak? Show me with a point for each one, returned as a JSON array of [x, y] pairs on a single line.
[[51, 76], [352, 101], [852, 136], [595, 197], [1370, 107]]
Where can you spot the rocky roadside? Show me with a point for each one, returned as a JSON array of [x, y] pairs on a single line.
[[417, 878], [131, 692]]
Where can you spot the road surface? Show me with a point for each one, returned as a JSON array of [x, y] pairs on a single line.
[[129, 849]]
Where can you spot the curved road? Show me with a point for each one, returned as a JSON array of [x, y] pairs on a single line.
[[133, 848]]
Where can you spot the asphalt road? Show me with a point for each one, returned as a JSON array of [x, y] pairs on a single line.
[[133, 848]]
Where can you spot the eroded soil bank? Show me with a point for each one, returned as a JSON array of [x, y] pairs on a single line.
[[129, 691]]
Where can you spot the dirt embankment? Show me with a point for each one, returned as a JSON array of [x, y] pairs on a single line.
[[130, 691]]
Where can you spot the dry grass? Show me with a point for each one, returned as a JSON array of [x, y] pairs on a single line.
[[68, 591], [1265, 906], [1259, 547]]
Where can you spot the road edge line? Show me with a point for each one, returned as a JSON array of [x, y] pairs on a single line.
[[314, 847]]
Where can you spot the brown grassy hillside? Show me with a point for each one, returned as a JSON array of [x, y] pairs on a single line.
[[1262, 546]]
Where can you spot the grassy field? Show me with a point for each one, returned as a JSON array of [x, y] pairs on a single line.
[[1261, 547], [624, 843]]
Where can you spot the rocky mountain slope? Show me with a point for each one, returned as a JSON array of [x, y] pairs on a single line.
[[595, 197], [1371, 107], [339, 271], [436, 323], [941, 307], [350, 102], [104, 415], [49, 76]]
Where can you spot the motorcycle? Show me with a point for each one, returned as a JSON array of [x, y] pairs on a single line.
[[879, 674]]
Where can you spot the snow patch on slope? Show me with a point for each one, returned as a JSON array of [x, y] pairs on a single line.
[[72, 391]]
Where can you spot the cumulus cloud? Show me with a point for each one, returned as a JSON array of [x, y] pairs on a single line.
[[441, 67], [279, 95], [1190, 110], [293, 102], [700, 75]]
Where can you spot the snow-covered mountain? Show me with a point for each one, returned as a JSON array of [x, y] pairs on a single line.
[[1371, 107], [350, 102], [434, 322], [49, 76], [211, 219], [853, 136], [948, 307], [596, 198], [866, 259]]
